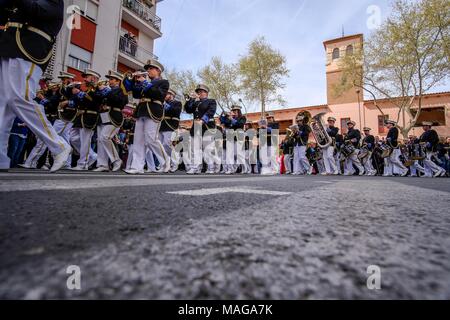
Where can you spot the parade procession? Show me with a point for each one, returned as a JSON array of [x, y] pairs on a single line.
[[199, 151], [131, 122]]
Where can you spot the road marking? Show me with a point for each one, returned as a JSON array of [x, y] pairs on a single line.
[[211, 191]]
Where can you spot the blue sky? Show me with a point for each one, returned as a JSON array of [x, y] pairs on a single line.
[[196, 30]]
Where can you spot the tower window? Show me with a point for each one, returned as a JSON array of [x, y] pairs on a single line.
[[349, 50], [336, 53]]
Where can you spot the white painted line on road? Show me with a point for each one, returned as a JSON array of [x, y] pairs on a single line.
[[211, 191]]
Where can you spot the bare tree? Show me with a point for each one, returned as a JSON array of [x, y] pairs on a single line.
[[404, 60]]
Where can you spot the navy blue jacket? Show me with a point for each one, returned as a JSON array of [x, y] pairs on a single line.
[[45, 15]]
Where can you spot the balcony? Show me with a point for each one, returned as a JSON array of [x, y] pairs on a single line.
[[132, 54], [142, 17]]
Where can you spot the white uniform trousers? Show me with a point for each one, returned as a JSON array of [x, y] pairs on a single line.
[[415, 168], [63, 130], [146, 137], [287, 163], [396, 165], [166, 140], [130, 157], [368, 166], [150, 161], [301, 163], [353, 160], [430, 167], [337, 159], [269, 161], [329, 160], [106, 149], [19, 80], [81, 139]]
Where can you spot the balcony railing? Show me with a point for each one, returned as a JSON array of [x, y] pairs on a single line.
[[144, 12], [131, 48]]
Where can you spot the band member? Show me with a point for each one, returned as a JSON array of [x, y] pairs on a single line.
[[328, 152], [249, 135], [268, 160], [21, 66], [337, 153], [393, 161], [203, 109], [369, 144], [149, 114], [235, 121], [110, 121], [353, 137], [288, 149], [415, 168], [301, 136], [431, 139], [128, 128], [88, 105], [170, 125]]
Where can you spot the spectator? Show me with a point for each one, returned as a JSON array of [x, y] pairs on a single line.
[[17, 140]]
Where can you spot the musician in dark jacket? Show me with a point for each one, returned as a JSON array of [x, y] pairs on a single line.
[[110, 121], [431, 139], [328, 152], [393, 165], [203, 110], [170, 125], [149, 114], [87, 104], [301, 137], [353, 138], [234, 123], [368, 144], [28, 29]]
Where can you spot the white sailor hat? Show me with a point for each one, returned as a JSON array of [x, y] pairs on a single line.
[[202, 87], [331, 119], [154, 64], [172, 92], [427, 123], [90, 72], [114, 75], [66, 75], [367, 129], [390, 122], [236, 107], [140, 73], [353, 123]]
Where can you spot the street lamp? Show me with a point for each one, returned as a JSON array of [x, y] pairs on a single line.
[[243, 104]]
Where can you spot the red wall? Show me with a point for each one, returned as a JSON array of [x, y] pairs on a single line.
[[85, 37], [123, 68], [77, 73]]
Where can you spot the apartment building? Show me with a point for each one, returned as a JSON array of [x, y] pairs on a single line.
[[106, 34]]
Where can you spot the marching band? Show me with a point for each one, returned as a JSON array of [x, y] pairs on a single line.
[[149, 131], [132, 122]]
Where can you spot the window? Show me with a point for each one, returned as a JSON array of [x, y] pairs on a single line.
[[336, 54], [381, 126], [349, 50], [79, 58], [344, 125], [87, 8], [434, 114]]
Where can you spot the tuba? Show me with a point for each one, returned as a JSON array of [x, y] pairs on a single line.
[[320, 132]]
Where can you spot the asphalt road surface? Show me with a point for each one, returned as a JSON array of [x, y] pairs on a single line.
[[221, 237]]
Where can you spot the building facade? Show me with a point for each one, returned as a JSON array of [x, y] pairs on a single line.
[[105, 35], [351, 105]]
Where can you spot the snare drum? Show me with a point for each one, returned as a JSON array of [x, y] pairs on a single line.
[[347, 150], [385, 149], [419, 151]]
